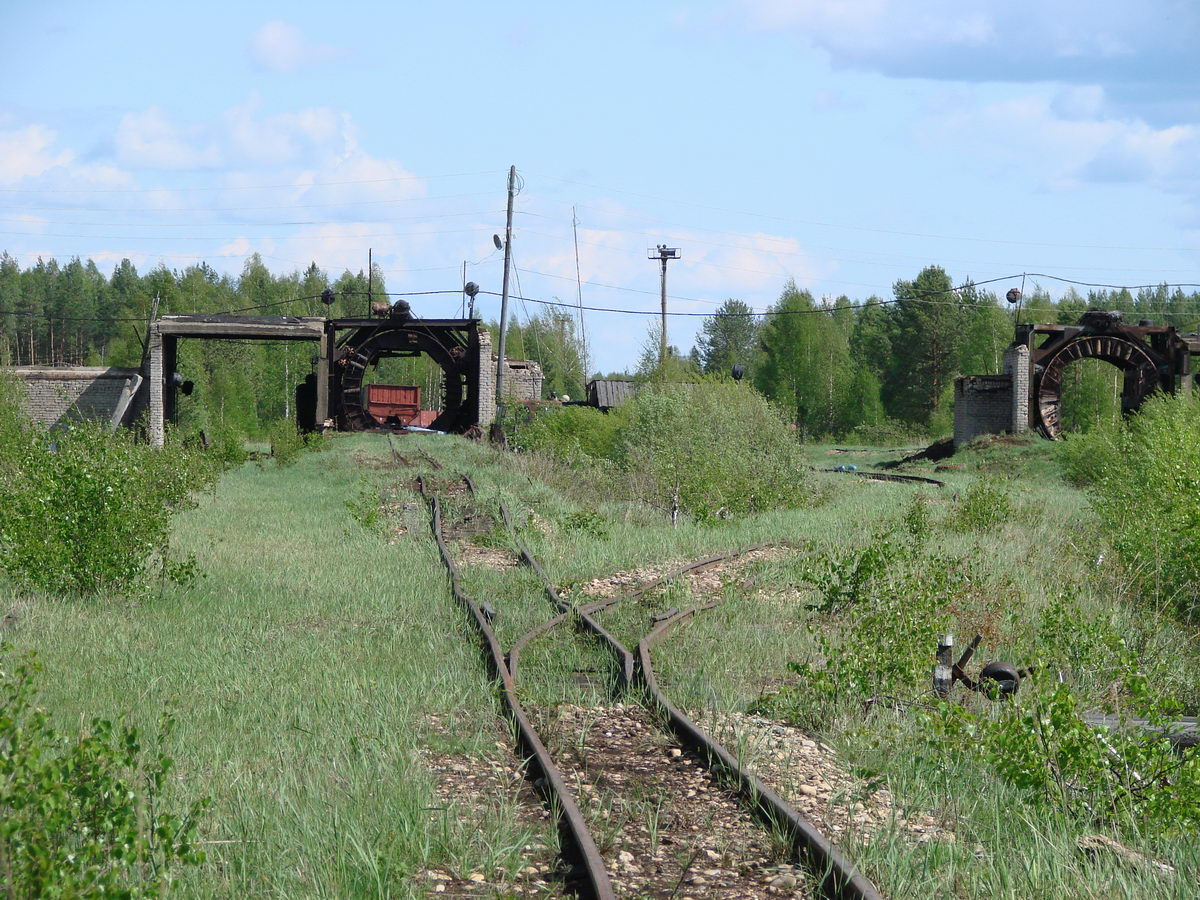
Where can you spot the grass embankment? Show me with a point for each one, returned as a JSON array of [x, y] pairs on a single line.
[[306, 668]]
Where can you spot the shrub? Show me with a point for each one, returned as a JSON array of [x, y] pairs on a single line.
[[570, 432], [881, 605], [1143, 478], [1041, 745], [85, 816], [83, 511], [713, 449], [983, 506], [287, 443]]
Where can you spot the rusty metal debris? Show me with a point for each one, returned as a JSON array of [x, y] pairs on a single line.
[[996, 681]]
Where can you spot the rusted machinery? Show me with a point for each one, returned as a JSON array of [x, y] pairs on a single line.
[[1152, 357]]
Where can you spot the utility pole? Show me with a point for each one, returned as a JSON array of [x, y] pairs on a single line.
[[664, 253], [583, 344], [370, 280], [497, 430]]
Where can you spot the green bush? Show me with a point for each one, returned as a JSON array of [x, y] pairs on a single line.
[[983, 506], [287, 443], [1143, 478], [84, 816], [880, 609], [571, 433], [83, 511], [227, 446], [713, 450], [1040, 744]]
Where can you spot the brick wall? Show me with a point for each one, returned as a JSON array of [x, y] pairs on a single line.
[[983, 404], [487, 380], [1016, 364], [69, 393], [522, 380]]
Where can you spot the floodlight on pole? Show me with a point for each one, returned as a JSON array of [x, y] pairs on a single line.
[[664, 253]]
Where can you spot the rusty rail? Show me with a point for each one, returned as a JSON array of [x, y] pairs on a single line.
[[549, 780], [839, 879], [888, 476]]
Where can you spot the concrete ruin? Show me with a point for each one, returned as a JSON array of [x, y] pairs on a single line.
[[58, 395]]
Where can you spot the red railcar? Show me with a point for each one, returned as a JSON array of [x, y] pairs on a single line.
[[394, 404]]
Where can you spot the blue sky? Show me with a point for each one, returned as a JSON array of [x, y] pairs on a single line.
[[843, 144]]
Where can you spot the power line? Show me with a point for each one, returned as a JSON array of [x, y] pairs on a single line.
[[209, 237], [237, 225], [869, 229], [243, 187], [1115, 287], [920, 297], [807, 250], [207, 209]]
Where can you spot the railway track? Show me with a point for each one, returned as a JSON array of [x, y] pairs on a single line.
[[590, 876], [834, 875], [623, 754], [888, 476]]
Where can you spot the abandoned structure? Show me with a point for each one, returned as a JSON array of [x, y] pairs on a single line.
[[55, 395], [1029, 393], [332, 396]]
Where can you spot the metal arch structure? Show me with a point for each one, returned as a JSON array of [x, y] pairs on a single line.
[[361, 343], [1152, 358]]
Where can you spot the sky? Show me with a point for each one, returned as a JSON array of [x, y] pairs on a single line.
[[844, 144]]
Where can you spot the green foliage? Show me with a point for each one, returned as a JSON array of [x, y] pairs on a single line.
[[1091, 395], [882, 603], [227, 446], [85, 816], [286, 442], [728, 338], [571, 432], [806, 369], [364, 506], [983, 506], [712, 450], [587, 522], [84, 512], [1040, 743], [1144, 482]]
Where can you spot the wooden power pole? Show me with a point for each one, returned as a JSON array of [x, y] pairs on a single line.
[[497, 430]]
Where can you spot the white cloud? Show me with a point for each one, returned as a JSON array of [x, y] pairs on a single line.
[[148, 138], [29, 152], [1071, 137], [1077, 41], [280, 47]]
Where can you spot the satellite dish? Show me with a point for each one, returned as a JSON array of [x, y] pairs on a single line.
[[470, 289], [499, 243]]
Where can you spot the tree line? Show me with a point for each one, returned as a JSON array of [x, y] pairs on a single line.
[[833, 365], [888, 364]]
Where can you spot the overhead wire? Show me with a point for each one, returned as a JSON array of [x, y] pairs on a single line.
[[864, 228], [209, 209], [242, 187], [236, 225]]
